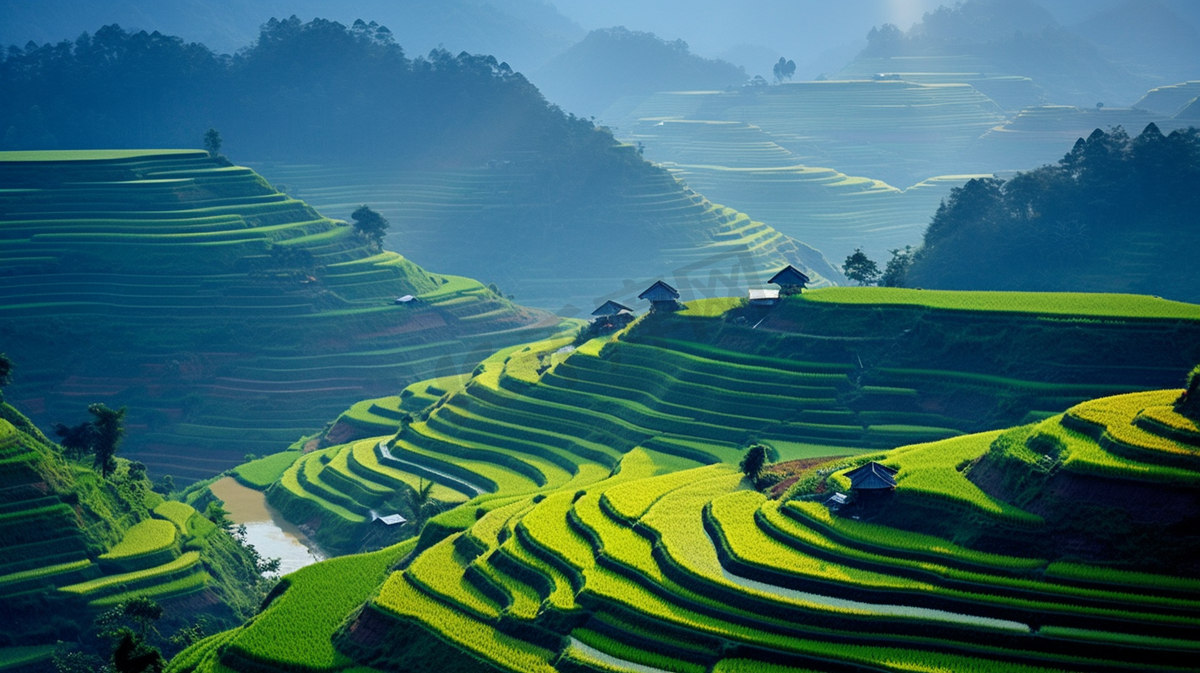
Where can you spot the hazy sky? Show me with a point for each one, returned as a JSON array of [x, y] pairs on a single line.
[[802, 30]]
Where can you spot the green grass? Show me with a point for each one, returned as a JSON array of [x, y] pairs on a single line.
[[710, 308], [930, 471], [400, 598], [189, 584], [94, 155], [263, 472], [44, 571], [186, 562], [884, 538], [178, 513], [145, 538], [16, 657], [295, 632], [1072, 304]]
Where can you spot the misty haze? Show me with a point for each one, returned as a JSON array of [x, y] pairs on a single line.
[[551, 335]]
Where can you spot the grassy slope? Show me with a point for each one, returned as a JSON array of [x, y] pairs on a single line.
[[169, 255], [74, 545], [677, 231]]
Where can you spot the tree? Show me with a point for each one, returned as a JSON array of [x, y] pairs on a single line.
[[218, 515], [1188, 403], [370, 225], [76, 439], [754, 461], [142, 611], [212, 142], [6, 367], [165, 485], [109, 426], [896, 272], [134, 655], [860, 268], [784, 69]]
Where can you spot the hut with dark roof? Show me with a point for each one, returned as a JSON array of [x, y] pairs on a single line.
[[790, 280], [872, 477], [662, 297], [612, 314]]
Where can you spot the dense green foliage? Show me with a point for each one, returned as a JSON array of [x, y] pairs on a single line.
[[1116, 214], [77, 545]]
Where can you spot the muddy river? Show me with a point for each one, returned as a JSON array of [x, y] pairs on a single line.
[[270, 534]]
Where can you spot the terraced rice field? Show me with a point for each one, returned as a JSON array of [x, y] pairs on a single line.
[[695, 571], [811, 159], [599, 521], [43, 544], [228, 291], [46, 557], [654, 228], [857, 162], [517, 429]]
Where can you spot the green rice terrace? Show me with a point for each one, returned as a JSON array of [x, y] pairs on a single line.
[[581, 506], [236, 315], [860, 161], [76, 545], [647, 227]]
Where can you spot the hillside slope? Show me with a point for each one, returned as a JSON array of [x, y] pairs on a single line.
[[1115, 214], [75, 545], [556, 252], [453, 149], [611, 530], [611, 63], [226, 315]]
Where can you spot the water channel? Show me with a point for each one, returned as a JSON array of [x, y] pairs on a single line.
[[266, 529]]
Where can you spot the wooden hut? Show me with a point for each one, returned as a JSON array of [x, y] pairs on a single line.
[[872, 477], [662, 297], [764, 297], [790, 280], [612, 314]]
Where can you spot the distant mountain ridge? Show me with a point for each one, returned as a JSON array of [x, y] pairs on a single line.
[[1009, 37], [614, 62], [526, 33]]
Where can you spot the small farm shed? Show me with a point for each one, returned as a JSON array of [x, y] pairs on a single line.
[[662, 297], [873, 477], [790, 280], [611, 313], [837, 501], [764, 297]]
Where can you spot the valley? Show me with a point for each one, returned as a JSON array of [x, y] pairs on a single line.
[[509, 335]]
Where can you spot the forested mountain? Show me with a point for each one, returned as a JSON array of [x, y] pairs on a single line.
[[614, 62], [315, 90], [1116, 214], [526, 32], [1148, 38], [542, 195]]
